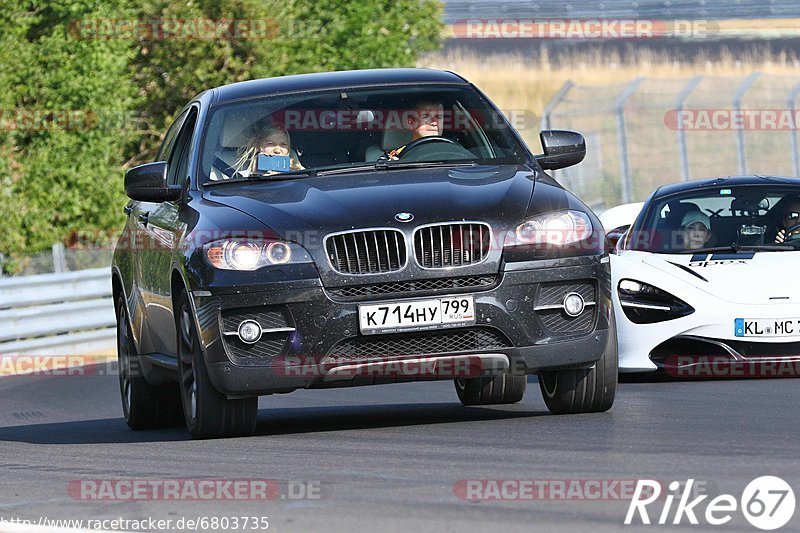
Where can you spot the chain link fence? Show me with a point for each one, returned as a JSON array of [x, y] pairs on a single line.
[[650, 132]]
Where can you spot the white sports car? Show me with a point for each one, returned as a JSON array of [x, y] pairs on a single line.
[[708, 273]]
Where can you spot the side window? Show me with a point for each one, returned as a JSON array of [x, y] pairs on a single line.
[[178, 162], [169, 138]]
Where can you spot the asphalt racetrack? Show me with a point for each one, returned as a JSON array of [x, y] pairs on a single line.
[[404, 457]]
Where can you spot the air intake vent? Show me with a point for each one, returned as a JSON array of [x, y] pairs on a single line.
[[367, 251], [450, 245]]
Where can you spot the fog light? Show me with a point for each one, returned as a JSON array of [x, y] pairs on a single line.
[[574, 304], [249, 331]]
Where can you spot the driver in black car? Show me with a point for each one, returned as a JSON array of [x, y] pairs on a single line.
[[790, 221], [427, 120]]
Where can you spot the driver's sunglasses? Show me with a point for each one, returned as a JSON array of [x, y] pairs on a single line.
[[792, 215]]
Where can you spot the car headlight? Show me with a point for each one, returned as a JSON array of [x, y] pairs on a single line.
[[558, 228], [645, 304], [252, 254]]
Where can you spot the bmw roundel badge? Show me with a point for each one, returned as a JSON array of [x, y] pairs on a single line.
[[404, 217]]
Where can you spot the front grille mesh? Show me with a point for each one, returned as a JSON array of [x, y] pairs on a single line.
[[557, 321], [553, 293], [367, 251], [267, 319], [415, 286], [439, 342], [270, 345], [449, 245]]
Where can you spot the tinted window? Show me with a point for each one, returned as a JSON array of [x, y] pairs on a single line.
[[169, 138], [341, 128], [178, 163]]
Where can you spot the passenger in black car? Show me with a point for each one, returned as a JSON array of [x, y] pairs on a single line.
[[272, 140]]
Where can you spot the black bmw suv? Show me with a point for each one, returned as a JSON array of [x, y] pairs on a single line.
[[355, 228]]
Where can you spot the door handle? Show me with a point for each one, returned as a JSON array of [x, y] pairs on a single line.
[[144, 218], [128, 210]]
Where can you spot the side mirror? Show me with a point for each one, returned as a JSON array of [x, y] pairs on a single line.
[[613, 237], [561, 149], [148, 183]]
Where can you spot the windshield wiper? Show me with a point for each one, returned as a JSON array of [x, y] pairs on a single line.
[[384, 164], [735, 248], [263, 177], [345, 170], [768, 248], [711, 250]]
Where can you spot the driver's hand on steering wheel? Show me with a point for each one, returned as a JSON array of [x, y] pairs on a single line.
[[782, 237]]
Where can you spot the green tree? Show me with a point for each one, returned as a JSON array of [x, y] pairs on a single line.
[[304, 36], [93, 106], [63, 137]]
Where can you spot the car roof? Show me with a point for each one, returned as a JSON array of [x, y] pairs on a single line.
[[332, 80], [730, 181]]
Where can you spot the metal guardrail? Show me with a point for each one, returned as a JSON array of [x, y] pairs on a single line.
[[57, 314]]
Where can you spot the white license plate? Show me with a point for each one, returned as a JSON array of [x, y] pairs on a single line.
[[417, 315], [766, 327]]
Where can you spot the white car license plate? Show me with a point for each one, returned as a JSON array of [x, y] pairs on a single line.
[[417, 315], [766, 327]]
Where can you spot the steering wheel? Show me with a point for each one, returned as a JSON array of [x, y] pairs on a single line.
[[789, 236], [414, 146]]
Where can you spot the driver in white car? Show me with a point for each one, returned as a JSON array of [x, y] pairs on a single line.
[[791, 218], [695, 230], [427, 120]]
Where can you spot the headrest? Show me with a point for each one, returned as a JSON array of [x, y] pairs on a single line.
[[237, 129], [395, 138]]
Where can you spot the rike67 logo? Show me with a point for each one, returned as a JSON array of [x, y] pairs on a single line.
[[767, 502]]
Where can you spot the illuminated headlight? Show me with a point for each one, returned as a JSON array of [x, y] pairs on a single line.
[[632, 287], [645, 304], [278, 253], [251, 254], [558, 228]]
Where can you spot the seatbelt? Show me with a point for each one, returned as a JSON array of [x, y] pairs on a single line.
[[224, 167]]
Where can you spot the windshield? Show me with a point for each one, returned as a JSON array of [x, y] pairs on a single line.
[[763, 216], [297, 134]]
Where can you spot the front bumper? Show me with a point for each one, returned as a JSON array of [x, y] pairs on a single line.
[[708, 332], [316, 330]]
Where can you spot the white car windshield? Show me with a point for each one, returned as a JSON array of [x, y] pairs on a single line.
[[746, 216]]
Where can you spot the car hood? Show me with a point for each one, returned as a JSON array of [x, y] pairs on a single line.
[[498, 195], [742, 278]]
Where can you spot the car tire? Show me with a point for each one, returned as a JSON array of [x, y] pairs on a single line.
[[583, 390], [144, 406], [493, 390], [209, 414]]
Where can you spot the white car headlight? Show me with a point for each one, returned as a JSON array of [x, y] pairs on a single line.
[[252, 254], [558, 228]]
